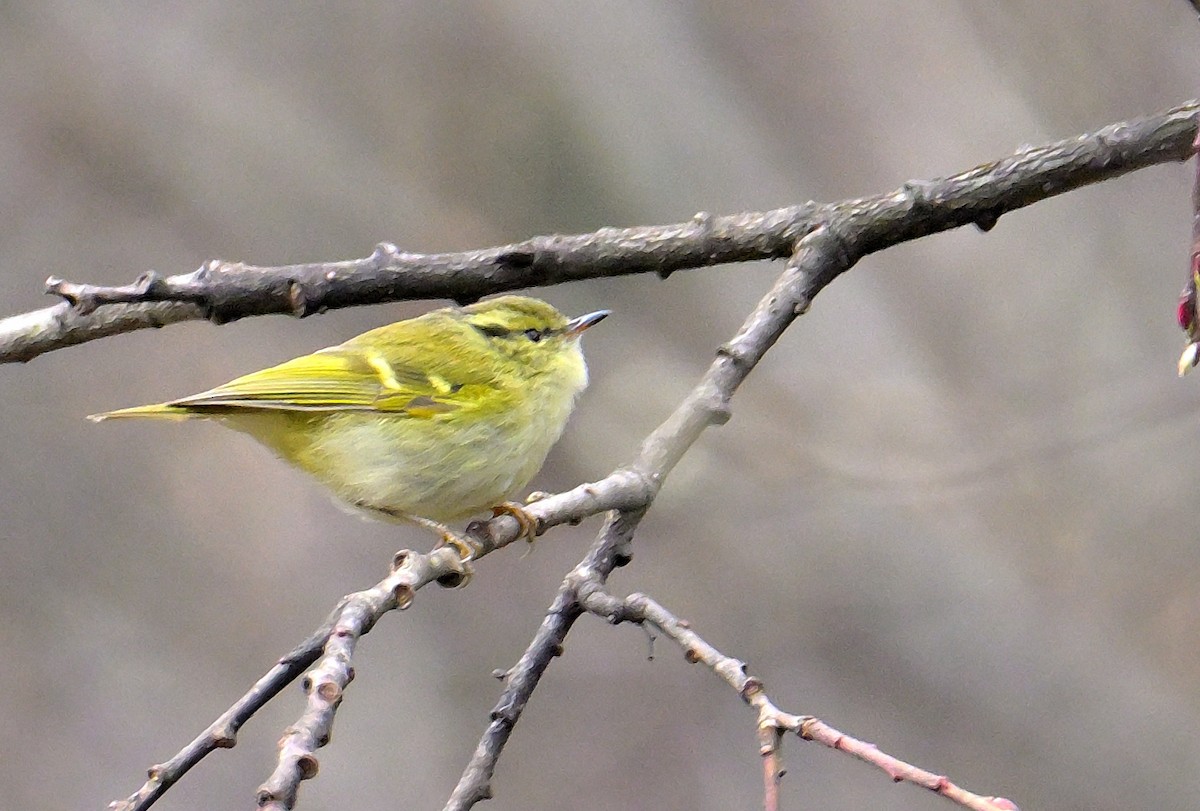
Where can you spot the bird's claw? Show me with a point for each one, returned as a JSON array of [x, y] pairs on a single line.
[[528, 526], [467, 549]]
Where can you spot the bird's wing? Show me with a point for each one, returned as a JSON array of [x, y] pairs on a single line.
[[343, 378]]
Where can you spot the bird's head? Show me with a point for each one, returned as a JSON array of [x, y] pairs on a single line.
[[531, 333]]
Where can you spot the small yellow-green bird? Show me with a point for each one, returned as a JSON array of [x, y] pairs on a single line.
[[427, 420]]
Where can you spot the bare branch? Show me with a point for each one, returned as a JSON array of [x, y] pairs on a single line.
[[24, 337], [640, 609], [224, 291], [222, 734], [769, 739], [412, 571], [325, 683], [609, 551], [354, 616]]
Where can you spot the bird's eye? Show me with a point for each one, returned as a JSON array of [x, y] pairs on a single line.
[[533, 335]]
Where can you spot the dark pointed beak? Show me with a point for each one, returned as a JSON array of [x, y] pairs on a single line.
[[577, 325]]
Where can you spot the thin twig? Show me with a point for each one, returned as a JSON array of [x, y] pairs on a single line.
[[326, 682], [222, 733], [769, 739], [354, 616], [224, 291], [608, 552], [640, 609]]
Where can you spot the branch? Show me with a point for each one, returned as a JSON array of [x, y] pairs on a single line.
[[222, 733], [225, 291], [609, 551], [353, 616], [640, 609]]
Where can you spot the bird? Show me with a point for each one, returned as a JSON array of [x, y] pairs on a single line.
[[428, 420]]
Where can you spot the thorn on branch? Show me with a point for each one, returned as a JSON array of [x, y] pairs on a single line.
[[650, 640]]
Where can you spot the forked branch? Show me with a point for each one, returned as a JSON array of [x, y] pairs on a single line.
[[771, 722]]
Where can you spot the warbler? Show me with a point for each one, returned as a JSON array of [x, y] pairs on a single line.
[[427, 420]]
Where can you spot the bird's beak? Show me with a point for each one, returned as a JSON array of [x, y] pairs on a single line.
[[577, 325]]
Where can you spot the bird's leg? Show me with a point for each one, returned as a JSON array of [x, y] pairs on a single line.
[[466, 548]]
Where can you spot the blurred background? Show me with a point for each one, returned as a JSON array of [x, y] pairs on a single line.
[[954, 514]]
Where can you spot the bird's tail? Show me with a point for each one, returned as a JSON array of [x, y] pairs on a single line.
[[160, 411]]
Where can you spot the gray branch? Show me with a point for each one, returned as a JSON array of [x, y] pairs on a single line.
[[771, 721], [224, 291]]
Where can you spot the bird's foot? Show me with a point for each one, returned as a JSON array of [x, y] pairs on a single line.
[[466, 548], [467, 551], [528, 525]]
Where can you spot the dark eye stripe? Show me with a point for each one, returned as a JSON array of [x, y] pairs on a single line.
[[496, 331], [492, 331]]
